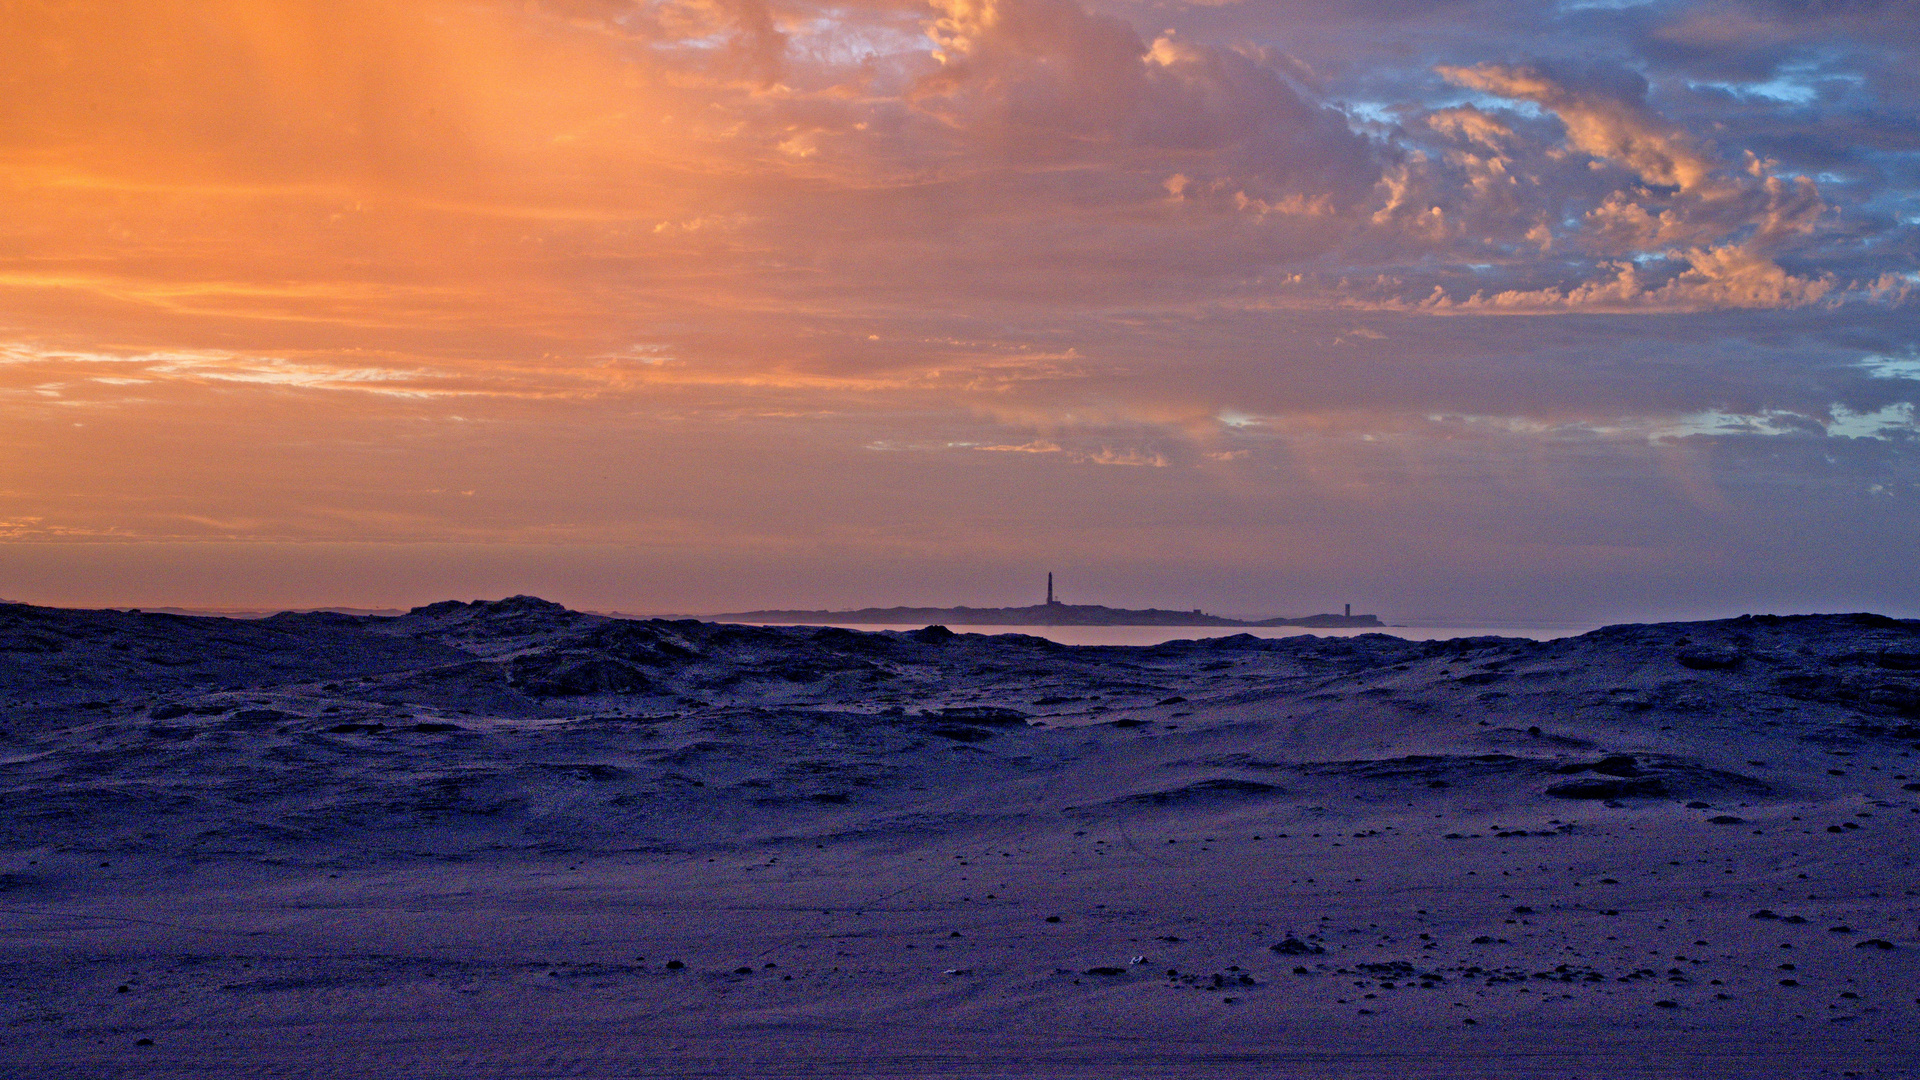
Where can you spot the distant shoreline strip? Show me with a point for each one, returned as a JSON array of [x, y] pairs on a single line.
[[1035, 615]]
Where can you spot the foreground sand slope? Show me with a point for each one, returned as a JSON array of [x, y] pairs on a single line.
[[505, 839]]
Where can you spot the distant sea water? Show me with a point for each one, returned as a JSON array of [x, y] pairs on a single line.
[[1154, 635], [1065, 635]]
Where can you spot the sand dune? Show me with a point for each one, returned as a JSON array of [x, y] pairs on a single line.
[[506, 839]]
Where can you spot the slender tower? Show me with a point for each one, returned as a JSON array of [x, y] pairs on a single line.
[[1049, 588]]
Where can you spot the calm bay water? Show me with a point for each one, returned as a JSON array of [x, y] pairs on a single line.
[[1154, 635]]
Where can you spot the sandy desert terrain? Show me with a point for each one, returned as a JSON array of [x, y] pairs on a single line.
[[503, 839]]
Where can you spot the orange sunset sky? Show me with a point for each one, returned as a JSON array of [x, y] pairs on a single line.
[[1450, 310]]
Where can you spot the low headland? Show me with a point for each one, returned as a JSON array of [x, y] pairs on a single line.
[[1055, 614]]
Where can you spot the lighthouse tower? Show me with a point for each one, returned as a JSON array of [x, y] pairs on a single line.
[[1051, 602]]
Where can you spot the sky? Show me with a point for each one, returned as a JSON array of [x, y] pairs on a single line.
[[1471, 310]]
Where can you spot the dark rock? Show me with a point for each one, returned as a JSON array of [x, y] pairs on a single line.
[[1726, 819], [433, 726], [1763, 913], [1105, 971], [554, 675], [1596, 788], [796, 672], [472, 672], [985, 714], [1388, 967], [838, 637], [1882, 944], [167, 712], [1709, 658], [959, 733], [1293, 946], [933, 635], [520, 605], [1221, 787]]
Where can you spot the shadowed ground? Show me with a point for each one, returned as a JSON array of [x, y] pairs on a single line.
[[505, 839]]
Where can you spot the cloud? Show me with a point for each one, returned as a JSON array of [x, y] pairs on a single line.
[[1724, 277], [1106, 455], [1469, 123], [660, 275], [1606, 123], [1050, 80], [1038, 446], [1720, 225]]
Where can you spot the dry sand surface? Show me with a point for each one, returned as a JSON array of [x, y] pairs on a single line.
[[508, 840]]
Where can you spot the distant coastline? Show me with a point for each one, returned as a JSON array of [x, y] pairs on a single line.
[[1055, 614]]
